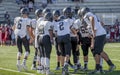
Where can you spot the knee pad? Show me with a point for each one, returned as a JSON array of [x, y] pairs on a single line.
[[26, 54]]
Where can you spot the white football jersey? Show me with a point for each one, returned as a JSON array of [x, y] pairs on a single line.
[[84, 30], [98, 27], [21, 26], [37, 23], [62, 28], [33, 23], [44, 27], [70, 22]]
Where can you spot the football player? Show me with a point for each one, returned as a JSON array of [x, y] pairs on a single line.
[[99, 35], [63, 39], [68, 14], [56, 14], [45, 39], [34, 24], [21, 28], [85, 37]]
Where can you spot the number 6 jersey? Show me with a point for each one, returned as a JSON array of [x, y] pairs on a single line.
[[21, 26]]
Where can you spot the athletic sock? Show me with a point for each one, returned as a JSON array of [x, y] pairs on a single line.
[[18, 62], [34, 60], [58, 64], [97, 66], [24, 61], [109, 62], [85, 64]]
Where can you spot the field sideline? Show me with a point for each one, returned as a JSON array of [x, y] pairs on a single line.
[[8, 60]]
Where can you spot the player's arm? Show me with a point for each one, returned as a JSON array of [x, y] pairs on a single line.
[[51, 35], [93, 25], [31, 32], [50, 29], [92, 42], [73, 30], [29, 29]]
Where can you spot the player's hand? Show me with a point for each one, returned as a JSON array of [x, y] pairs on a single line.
[[92, 46]]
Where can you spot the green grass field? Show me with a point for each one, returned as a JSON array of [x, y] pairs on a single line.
[[8, 61]]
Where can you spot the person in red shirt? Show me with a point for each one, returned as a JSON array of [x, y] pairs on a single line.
[[0, 35], [112, 33], [3, 34]]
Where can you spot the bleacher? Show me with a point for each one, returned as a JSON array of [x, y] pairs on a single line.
[[100, 7]]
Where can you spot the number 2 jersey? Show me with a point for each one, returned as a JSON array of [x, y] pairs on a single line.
[[62, 28], [21, 26]]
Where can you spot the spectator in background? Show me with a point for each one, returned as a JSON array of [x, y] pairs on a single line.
[[116, 26], [116, 22], [76, 8], [18, 2], [0, 1], [44, 3], [49, 1], [3, 34], [25, 2], [0, 35], [7, 17], [30, 6], [119, 32], [112, 33], [12, 38]]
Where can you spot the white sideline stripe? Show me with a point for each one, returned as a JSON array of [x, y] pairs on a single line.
[[16, 71]]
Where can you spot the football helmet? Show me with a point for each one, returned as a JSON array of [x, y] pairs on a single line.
[[84, 10], [67, 12], [38, 12], [61, 18], [24, 11], [56, 13], [46, 10], [48, 16]]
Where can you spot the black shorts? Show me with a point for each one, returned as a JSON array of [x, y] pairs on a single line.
[[45, 46], [65, 44], [99, 43], [24, 41]]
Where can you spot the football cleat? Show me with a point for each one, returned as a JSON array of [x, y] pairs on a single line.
[[33, 67], [57, 68], [19, 67], [24, 67]]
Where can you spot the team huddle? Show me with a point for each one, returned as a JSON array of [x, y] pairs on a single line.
[[67, 34]]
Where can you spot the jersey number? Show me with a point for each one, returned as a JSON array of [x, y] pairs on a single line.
[[61, 26], [19, 26], [41, 29]]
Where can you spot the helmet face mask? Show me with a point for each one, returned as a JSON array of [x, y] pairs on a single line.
[[56, 14], [38, 12], [48, 16], [61, 18], [46, 11], [84, 10], [24, 11], [67, 12]]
